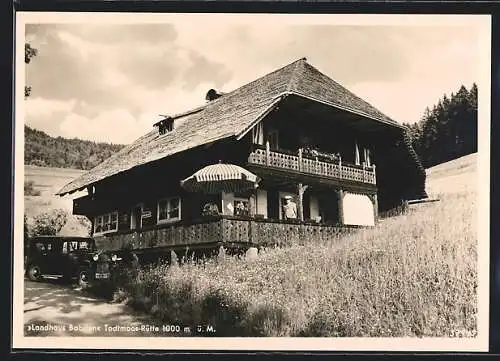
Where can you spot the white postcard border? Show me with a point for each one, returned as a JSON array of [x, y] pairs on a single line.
[[480, 343]]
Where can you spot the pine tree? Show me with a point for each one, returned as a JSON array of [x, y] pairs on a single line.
[[449, 130]]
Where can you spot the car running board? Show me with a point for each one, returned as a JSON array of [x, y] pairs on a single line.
[[53, 277]]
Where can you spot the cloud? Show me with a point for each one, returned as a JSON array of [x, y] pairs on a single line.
[[45, 107], [87, 76], [44, 114], [349, 53], [170, 101], [431, 75], [115, 126], [201, 69], [95, 65]]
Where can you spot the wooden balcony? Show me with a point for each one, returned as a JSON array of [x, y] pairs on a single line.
[[308, 165], [227, 231]]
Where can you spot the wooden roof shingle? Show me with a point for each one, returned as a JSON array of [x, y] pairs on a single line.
[[228, 116]]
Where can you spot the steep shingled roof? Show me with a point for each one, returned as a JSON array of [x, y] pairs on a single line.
[[228, 116]]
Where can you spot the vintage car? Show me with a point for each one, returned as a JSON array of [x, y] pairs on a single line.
[[68, 258]]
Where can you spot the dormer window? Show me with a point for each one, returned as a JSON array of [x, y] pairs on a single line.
[[165, 125]]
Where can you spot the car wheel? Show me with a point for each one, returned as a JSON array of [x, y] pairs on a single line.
[[34, 273], [83, 279]]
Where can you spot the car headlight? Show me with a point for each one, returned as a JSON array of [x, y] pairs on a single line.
[[96, 257], [114, 258]]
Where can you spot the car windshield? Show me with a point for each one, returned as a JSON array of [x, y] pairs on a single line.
[[85, 245], [70, 246]]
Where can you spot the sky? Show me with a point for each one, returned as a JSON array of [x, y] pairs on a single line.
[[110, 82]]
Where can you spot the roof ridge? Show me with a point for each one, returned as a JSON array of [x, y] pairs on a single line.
[[202, 107], [187, 112], [293, 77], [263, 76]]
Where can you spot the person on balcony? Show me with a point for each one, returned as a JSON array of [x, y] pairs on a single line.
[[241, 209], [289, 208], [210, 209]]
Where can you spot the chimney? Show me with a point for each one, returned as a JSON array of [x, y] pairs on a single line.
[[213, 94]]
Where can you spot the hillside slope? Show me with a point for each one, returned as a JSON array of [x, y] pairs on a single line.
[[413, 275], [458, 175], [48, 181], [40, 149]]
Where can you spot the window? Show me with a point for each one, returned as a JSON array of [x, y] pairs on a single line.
[[169, 209], [273, 139], [356, 154], [258, 134], [367, 157], [165, 126], [67, 247], [71, 246], [106, 223], [84, 245]]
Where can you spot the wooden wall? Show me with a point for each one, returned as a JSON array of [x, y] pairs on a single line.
[[396, 174]]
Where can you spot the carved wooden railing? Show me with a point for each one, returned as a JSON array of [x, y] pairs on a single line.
[[299, 163], [220, 230]]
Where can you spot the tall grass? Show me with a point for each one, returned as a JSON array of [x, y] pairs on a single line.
[[411, 275]]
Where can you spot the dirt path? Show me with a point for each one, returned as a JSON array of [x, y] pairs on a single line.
[[54, 309]]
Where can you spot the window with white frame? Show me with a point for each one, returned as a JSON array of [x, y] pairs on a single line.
[[258, 134], [367, 157], [169, 209], [106, 223], [356, 154]]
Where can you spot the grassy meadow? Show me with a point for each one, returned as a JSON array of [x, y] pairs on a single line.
[[411, 275]]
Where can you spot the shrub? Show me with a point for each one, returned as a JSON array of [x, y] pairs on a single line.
[[85, 222], [49, 223], [29, 189], [26, 228]]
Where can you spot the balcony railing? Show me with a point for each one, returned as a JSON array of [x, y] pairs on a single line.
[[223, 230], [299, 163]]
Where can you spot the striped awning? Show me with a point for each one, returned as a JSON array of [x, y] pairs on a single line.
[[220, 177]]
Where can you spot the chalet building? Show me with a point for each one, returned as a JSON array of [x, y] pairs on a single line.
[[306, 137]]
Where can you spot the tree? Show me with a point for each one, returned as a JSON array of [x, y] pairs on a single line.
[[29, 53], [449, 130], [29, 188], [49, 223], [85, 223], [471, 145], [27, 234]]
